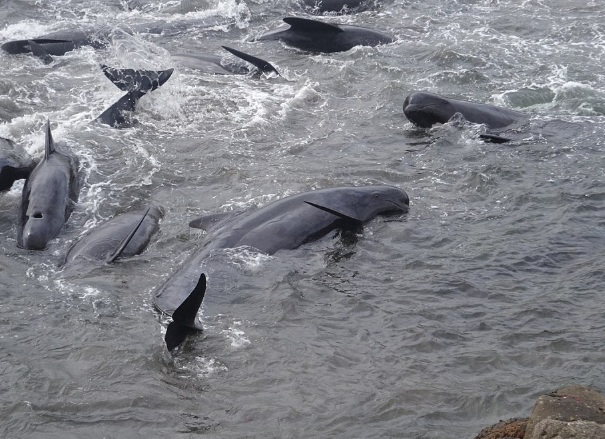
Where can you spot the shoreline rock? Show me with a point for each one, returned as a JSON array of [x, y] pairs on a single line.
[[570, 412]]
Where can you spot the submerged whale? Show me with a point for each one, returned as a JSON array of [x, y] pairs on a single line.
[[284, 224], [124, 235], [217, 65], [49, 195], [426, 109], [136, 84], [15, 163], [318, 36]]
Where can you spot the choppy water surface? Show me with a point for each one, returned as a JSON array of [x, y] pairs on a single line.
[[432, 325]]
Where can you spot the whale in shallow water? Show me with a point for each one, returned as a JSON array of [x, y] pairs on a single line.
[[284, 224], [49, 194], [136, 84], [60, 42], [15, 163], [319, 36], [426, 109], [214, 64], [124, 235]]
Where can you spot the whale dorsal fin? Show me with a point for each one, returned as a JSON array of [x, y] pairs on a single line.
[[304, 24], [183, 318], [343, 216], [39, 52], [260, 64], [116, 254], [49, 144]]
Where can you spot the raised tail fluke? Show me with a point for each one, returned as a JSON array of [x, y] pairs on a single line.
[[260, 64], [136, 83], [184, 317], [126, 240], [143, 81]]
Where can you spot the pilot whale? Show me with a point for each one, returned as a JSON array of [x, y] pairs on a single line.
[[49, 194], [319, 36], [215, 64], [124, 235], [136, 84], [426, 109], [15, 163], [281, 225]]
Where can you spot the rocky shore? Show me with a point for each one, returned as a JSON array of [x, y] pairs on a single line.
[[571, 412]]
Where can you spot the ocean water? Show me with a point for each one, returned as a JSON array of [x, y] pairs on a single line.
[[435, 324]]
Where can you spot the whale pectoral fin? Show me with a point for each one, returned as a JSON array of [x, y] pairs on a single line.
[[39, 52], [349, 220], [259, 63], [126, 240], [494, 138], [183, 318], [208, 221], [306, 25]]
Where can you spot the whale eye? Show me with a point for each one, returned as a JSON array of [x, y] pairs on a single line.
[[375, 194], [38, 215]]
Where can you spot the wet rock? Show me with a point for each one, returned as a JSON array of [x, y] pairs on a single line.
[[553, 429], [511, 429], [568, 405]]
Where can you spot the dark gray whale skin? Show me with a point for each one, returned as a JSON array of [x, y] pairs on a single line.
[[281, 225], [99, 244], [15, 163], [217, 65], [319, 36], [48, 197], [426, 109]]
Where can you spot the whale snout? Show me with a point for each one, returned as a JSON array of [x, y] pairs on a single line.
[[36, 232]]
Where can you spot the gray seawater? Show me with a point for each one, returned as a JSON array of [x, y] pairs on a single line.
[[430, 325]]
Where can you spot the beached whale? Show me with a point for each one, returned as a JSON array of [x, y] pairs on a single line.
[[124, 235], [319, 36], [48, 198], [426, 109], [284, 224]]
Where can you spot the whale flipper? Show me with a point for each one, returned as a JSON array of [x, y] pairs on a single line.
[[115, 255], [39, 52], [136, 83], [260, 64], [349, 220], [306, 25], [183, 318]]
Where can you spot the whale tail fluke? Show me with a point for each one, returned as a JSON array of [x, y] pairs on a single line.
[[262, 65], [184, 317], [136, 83]]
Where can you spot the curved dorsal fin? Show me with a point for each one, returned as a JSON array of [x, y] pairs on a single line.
[[49, 144], [260, 64], [304, 24]]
